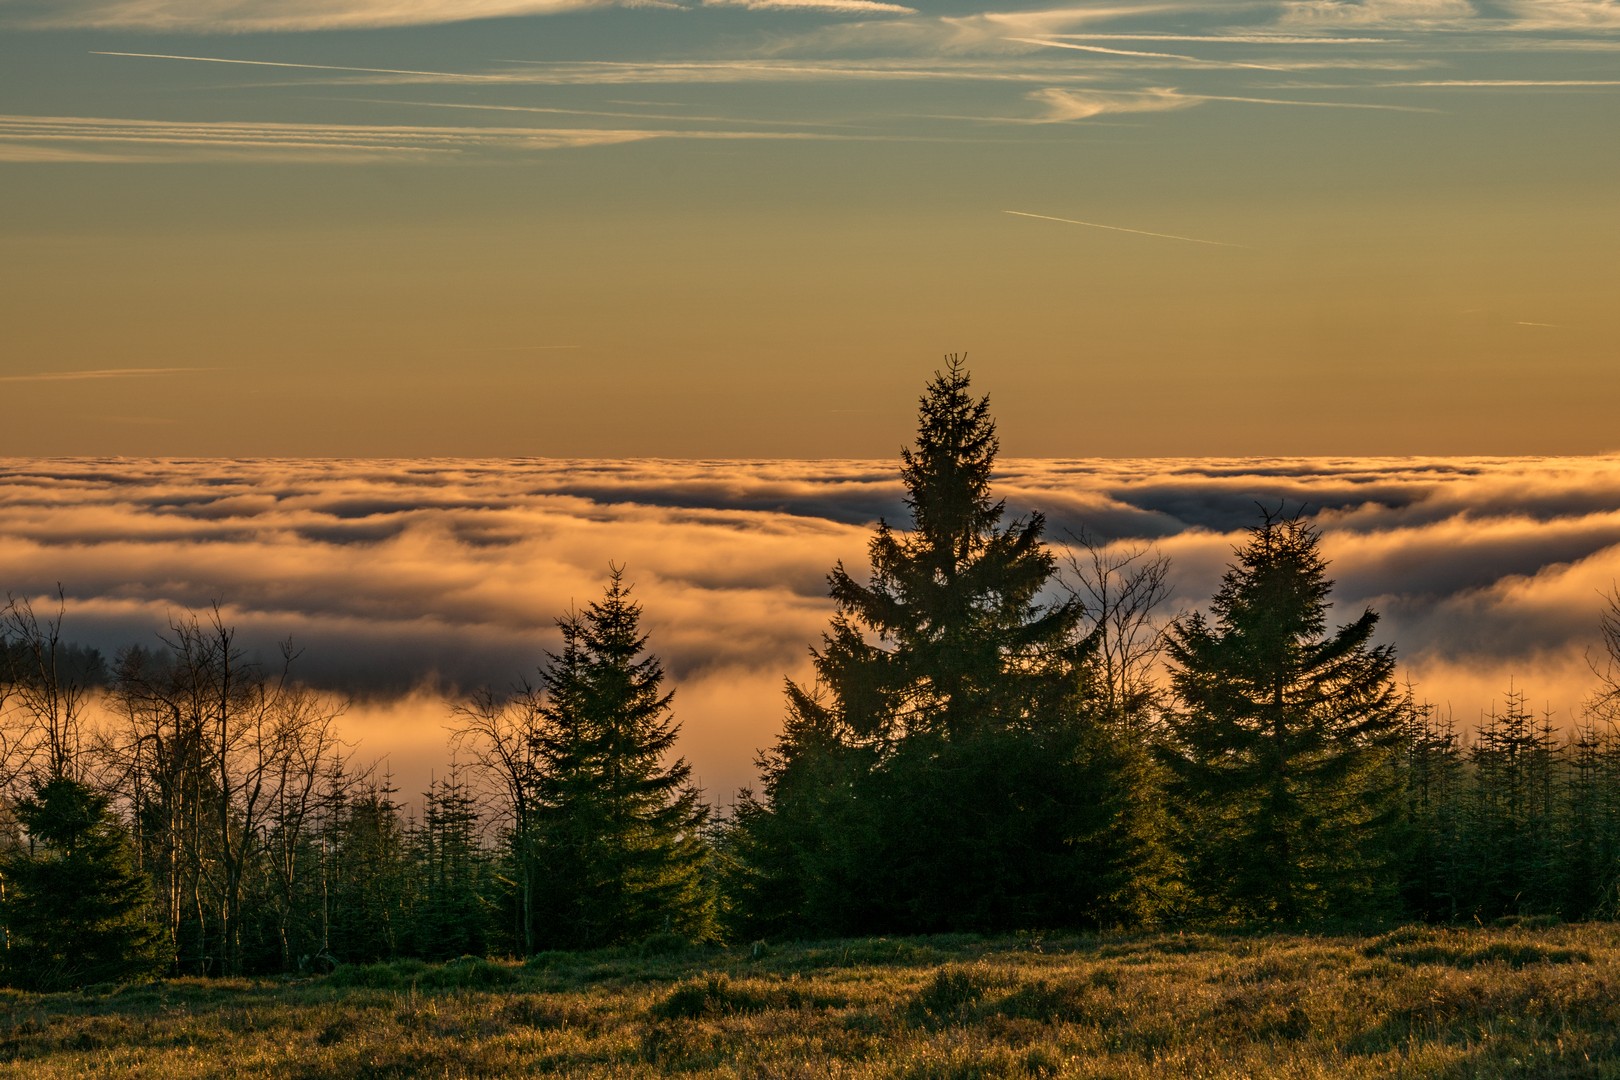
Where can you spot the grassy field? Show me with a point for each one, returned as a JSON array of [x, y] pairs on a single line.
[[1507, 1001]]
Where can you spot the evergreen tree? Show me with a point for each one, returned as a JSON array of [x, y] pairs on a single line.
[[619, 831], [1281, 747], [366, 875], [1512, 835], [945, 771], [1432, 841], [453, 901], [76, 907], [1589, 844]]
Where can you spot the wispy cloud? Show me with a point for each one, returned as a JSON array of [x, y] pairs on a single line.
[[1393, 14], [1599, 15], [1118, 228], [234, 16], [834, 7], [1065, 105], [102, 373], [167, 141], [607, 72], [24, 154], [547, 110], [1070, 105]]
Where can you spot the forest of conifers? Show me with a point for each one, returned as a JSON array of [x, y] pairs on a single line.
[[990, 742]]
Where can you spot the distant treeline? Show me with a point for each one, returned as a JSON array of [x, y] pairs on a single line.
[[991, 742]]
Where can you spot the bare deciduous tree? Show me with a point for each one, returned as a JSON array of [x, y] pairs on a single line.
[[501, 737], [1122, 589], [44, 736]]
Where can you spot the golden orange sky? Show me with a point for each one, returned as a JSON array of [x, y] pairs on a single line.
[[357, 227]]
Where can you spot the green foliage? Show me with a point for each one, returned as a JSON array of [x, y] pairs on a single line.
[[392, 975], [453, 887], [1431, 835], [76, 907], [619, 831], [1511, 814], [369, 894], [946, 770], [1282, 752]]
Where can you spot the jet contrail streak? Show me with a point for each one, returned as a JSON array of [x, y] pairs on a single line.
[[283, 64], [1120, 228], [1049, 43], [102, 373]]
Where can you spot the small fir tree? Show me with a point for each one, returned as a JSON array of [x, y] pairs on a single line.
[[453, 904], [619, 827], [77, 909], [1512, 836]]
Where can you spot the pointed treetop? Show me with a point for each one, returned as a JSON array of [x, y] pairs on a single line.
[[1279, 587], [947, 475]]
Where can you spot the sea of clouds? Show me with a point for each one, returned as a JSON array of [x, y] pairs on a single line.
[[406, 583]]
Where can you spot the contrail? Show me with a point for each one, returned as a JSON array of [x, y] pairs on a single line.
[[1049, 43], [1505, 84], [283, 64], [102, 373], [1120, 228], [1314, 104]]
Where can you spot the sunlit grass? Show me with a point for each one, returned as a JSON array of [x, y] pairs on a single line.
[[1416, 1001]]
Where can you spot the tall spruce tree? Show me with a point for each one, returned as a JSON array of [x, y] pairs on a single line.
[[619, 829], [1282, 748], [944, 771]]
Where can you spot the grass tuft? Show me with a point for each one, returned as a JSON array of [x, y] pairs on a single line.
[[1496, 1001]]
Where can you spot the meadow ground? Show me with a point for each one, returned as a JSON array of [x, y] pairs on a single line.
[[1416, 1001]]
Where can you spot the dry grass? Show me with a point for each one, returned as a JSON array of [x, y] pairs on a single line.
[[1412, 1002]]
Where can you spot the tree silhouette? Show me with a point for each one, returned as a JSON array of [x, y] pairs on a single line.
[[76, 906], [1281, 751], [619, 830], [947, 769]]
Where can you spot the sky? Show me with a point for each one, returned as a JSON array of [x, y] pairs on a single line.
[[388, 323], [407, 583], [750, 228]]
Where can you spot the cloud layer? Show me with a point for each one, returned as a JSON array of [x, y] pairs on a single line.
[[405, 581]]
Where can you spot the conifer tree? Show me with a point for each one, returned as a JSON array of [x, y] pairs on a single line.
[[1511, 828], [453, 901], [1432, 841], [366, 875], [1589, 844], [1281, 747], [945, 770], [76, 907], [619, 829]]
